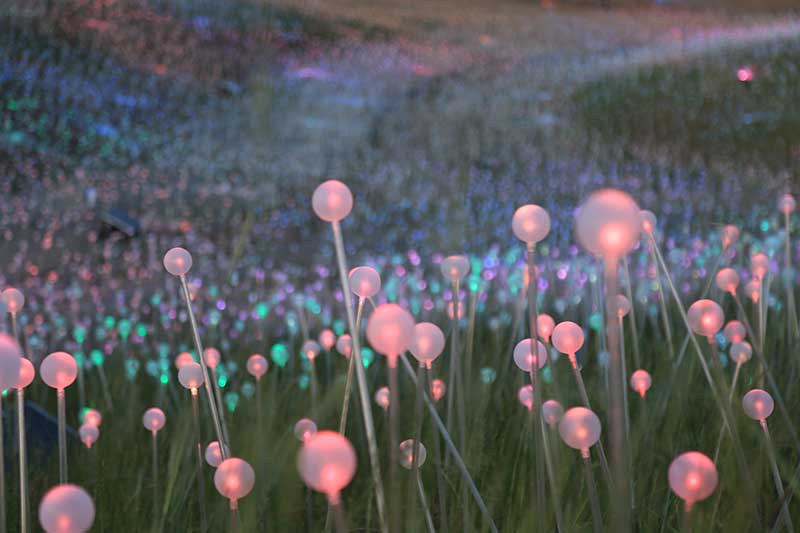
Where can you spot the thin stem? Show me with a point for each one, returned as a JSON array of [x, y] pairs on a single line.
[[551, 477], [730, 399], [452, 383], [632, 315], [62, 437], [533, 314], [104, 386], [349, 383], [201, 486], [394, 401], [594, 501], [686, 526], [662, 301], [415, 474], [625, 401], [24, 507], [2, 473], [314, 387], [338, 518], [437, 456], [776, 476], [218, 396], [424, 500], [236, 524], [156, 514]]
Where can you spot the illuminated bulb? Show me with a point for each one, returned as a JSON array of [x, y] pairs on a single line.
[[730, 236], [622, 305], [648, 221], [26, 373], [311, 349], [66, 509], [427, 344], [344, 345], [438, 389], [568, 337], [365, 282], [257, 365], [608, 224], [530, 223], [327, 463], [88, 434], [451, 312], [382, 398], [390, 330], [525, 396], [58, 370], [734, 331], [552, 412], [523, 357], [741, 352], [327, 339], [705, 317], [728, 280], [182, 359], [191, 376], [10, 361], [753, 290], [407, 454], [544, 326], [759, 265], [786, 204], [234, 479], [332, 201], [641, 382], [14, 300], [154, 419], [693, 477], [455, 267], [212, 357], [177, 261], [304, 429], [92, 417], [758, 404], [213, 454], [579, 428]]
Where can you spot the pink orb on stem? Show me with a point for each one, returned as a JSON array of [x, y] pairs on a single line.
[[649, 222], [327, 338], [14, 300], [787, 204], [10, 361], [88, 434], [693, 477], [213, 453], [59, 370], [182, 359], [304, 429], [727, 280], [178, 261], [759, 265], [641, 382], [455, 267], [579, 429], [344, 345], [608, 224], [234, 479], [406, 454], [741, 352], [530, 223], [212, 357], [438, 389], [154, 419], [66, 509], [332, 201], [730, 236], [744, 74], [525, 396], [428, 343], [568, 337], [451, 313], [327, 464], [523, 357], [92, 417], [552, 411], [311, 349], [544, 326], [191, 376], [734, 331], [706, 318], [382, 398], [390, 330], [758, 404], [26, 373], [753, 290], [257, 365], [622, 305], [365, 282]]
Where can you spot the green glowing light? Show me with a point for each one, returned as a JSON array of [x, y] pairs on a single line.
[[97, 357], [279, 355]]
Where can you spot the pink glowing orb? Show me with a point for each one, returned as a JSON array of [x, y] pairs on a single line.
[[455, 267], [530, 223], [177, 261], [730, 235], [786, 204], [213, 453], [649, 221], [327, 338], [182, 359], [451, 313], [344, 345], [92, 417], [741, 352], [234, 478], [304, 429], [744, 74], [382, 398], [390, 330], [66, 509], [622, 305], [544, 326], [311, 349], [10, 361], [641, 382], [727, 280], [58, 370], [327, 463], [568, 337], [332, 201], [552, 412], [759, 265], [525, 359], [758, 404], [212, 357], [406, 455], [692, 476], [154, 419], [427, 344], [365, 282], [257, 365], [191, 376], [579, 428], [753, 290], [525, 396], [734, 331], [88, 434], [608, 224], [26, 373], [438, 389], [13, 299], [705, 317]]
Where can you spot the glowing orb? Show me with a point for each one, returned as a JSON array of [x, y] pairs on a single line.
[[568, 337], [530, 223], [579, 428], [257, 365], [178, 261], [523, 357], [365, 282], [692, 476], [327, 463], [705, 317], [332, 201], [304, 429], [390, 330], [758, 404], [427, 344], [641, 382], [154, 419], [234, 478], [66, 509], [58, 370], [191, 376], [406, 455], [608, 224]]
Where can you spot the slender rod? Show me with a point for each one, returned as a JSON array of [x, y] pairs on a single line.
[[201, 486], [2, 473], [156, 513], [394, 407], [62, 437], [348, 386], [437, 456], [24, 506], [218, 396], [594, 501], [776, 476]]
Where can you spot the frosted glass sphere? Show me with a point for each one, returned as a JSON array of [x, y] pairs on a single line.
[[523, 357], [304, 429], [332, 201], [344, 345], [544, 326], [10, 361], [365, 282], [177, 261], [382, 398], [568, 337], [649, 221], [759, 265], [727, 280], [26, 373], [753, 290], [58, 370], [154, 419], [730, 235], [608, 224], [530, 223], [191, 376], [705, 317], [327, 339], [758, 404], [92, 417], [212, 357], [692, 476], [438, 389], [311, 349], [66, 509], [213, 453], [406, 455], [734, 331], [257, 365], [552, 412], [427, 344], [641, 382], [622, 305], [88, 434], [525, 396], [234, 478], [579, 428], [786, 204], [14, 300], [741, 352], [182, 359], [327, 463], [455, 267], [390, 330]]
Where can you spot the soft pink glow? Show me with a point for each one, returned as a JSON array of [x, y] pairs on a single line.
[[88, 434], [407, 454], [327, 338], [544, 326], [10, 361], [568, 337], [344, 345], [745, 74], [727, 280], [58, 370], [327, 463], [552, 412], [304, 429], [706, 317], [438, 389], [66, 509], [365, 282], [786, 204], [579, 428], [154, 419], [257, 365], [525, 396], [641, 382], [608, 224], [92, 417], [14, 300], [523, 357], [649, 221], [530, 223], [427, 344], [741, 352], [622, 305], [758, 404], [390, 330], [191, 376], [730, 236], [753, 290], [382, 398], [178, 261], [692, 476], [734, 331], [26, 373], [213, 453], [332, 201], [455, 267], [759, 265], [311, 349], [451, 313], [234, 478], [212, 357], [182, 359]]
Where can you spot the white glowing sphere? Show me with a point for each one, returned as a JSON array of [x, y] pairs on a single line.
[[727, 280], [178, 261], [327, 338], [66, 509], [213, 453], [706, 317], [741, 352], [544, 326], [13, 298], [530, 223], [438, 389], [523, 357], [622, 305], [455, 267], [649, 221], [304, 429], [608, 224], [758, 404], [212, 357], [257, 365], [182, 359], [58, 370], [390, 330], [10, 361], [365, 282], [428, 343], [759, 265], [332, 201], [692, 476], [641, 382], [734, 331], [567, 337], [553, 412], [327, 463], [406, 455], [92, 417], [234, 478], [88, 434], [525, 396], [191, 375], [382, 398], [311, 349], [154, 419], [786, 204], [579, 428], [26, 373], [344, 345], [730, 235]]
